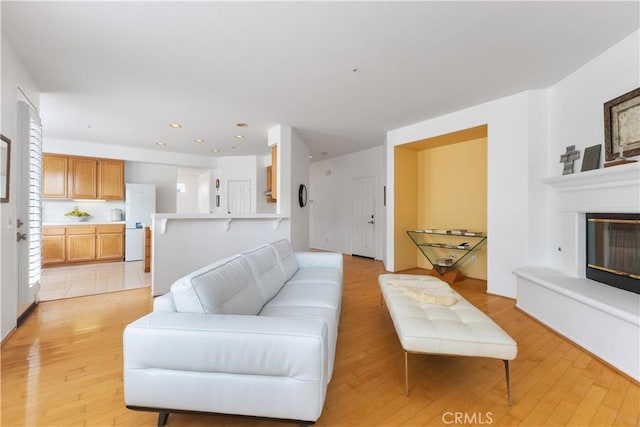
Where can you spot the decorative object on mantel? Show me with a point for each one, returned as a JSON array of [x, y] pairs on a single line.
[[568, 158], [591, 158], [622, 128]]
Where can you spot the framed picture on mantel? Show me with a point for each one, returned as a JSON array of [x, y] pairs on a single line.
[[622, 126]]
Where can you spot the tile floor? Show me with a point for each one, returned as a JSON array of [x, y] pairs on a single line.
[[91, 279]]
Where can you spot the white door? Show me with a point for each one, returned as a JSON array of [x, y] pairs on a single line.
[[364, 221], [239, 197]]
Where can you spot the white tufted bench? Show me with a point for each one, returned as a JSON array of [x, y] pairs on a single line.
[[429, 327]]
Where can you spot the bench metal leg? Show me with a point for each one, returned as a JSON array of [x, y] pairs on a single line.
[[406, 373], [162, 418], [508, 376]]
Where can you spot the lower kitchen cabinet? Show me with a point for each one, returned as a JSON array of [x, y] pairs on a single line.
[[82, 244], [53, 245], [110, 242]]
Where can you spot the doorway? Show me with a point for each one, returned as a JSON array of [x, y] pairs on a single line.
[[363, 229]]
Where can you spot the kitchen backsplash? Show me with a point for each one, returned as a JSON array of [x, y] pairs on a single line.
[[54, 210]]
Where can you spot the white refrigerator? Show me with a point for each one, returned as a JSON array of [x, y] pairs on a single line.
[[140, 203]]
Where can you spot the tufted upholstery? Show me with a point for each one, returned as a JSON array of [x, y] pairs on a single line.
[[459, 329]]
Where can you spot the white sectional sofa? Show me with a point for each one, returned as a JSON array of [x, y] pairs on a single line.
[[254, 334]]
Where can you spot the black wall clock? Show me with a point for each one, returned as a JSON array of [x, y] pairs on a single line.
[[302, 195]]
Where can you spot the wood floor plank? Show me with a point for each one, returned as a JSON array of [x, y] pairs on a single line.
[[63, 366]]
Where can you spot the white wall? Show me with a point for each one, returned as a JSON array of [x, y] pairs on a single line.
[[162, 176], [508, 148], [187, 201], [331, 196], [157, 156], [204, 192], [16, 85], [527, 134], [54, 210], [299, 176], [576, 117]]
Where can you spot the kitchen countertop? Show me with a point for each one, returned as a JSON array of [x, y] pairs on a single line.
[[74, 223]]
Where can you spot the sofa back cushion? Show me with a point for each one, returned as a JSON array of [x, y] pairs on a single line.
[[225, 287], [266, 270], [287, 260]]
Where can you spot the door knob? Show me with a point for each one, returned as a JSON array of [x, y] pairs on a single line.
[[21, 236]]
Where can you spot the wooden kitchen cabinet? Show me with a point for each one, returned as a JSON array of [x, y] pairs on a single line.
[[147, 249], [53, 245], [81, 243], [74, 177], [274, 172], [270, 198], [55, 170], [83, 174], [110, 242], [110, 179]]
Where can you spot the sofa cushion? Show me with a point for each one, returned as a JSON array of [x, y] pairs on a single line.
[[314, 295], [225, 287], [312, 275], [286, 258], [266, 271]]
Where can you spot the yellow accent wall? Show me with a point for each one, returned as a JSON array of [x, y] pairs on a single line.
[[441, 183], [405, 206], [452, 193]]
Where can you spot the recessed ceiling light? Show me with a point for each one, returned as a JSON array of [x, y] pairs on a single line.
[[175, 125], [161, 144], [239, 136], [242, 125], [215, 150], [199, 141], [311, 157]]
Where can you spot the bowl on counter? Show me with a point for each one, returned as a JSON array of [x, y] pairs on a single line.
[[79, 218]]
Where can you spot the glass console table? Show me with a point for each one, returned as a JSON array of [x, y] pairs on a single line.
[[447, 249]]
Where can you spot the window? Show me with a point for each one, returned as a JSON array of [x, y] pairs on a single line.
[[35, 200]]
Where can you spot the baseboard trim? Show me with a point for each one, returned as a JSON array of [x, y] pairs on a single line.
[[26, 314]]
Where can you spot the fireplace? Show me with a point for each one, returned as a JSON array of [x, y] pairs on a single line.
[[613, 249]]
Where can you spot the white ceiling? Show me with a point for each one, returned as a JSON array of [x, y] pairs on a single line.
[[340, 73]]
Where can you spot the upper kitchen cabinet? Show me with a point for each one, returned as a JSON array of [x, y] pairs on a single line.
[[73, 177], [83, 178], [55, 169], [111, 179]]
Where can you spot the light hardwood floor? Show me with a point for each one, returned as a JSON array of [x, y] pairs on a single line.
[[64, 367]]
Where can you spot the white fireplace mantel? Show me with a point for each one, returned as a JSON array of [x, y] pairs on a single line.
[[612, 189], [602, 319]]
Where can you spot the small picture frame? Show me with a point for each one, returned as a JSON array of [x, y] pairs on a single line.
[[622, 126], [591, 158]]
